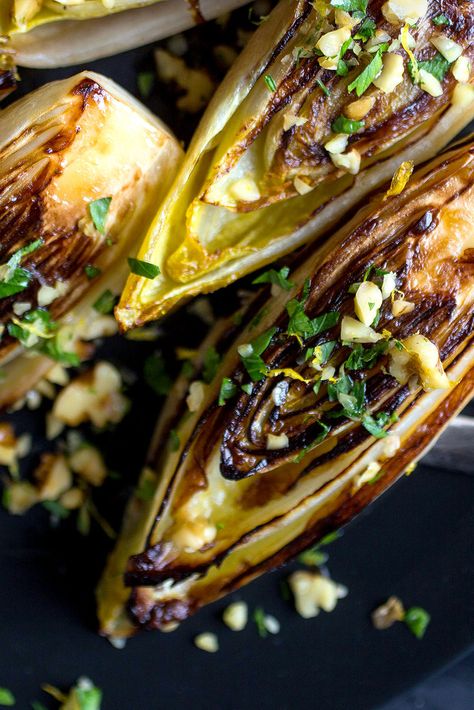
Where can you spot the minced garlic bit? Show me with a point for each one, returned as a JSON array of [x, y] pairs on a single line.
[[388, 614], [195, 398], [417, 356], [53, 476], [367, 301], [359, 109], [312, 592], [400, 307], [462, 70], [192, 535], [236, 616], [337, 144], [196, 84], [446, 47], [290, 120], [301, 187], [88, 463], [389, 284], [368, 476], [93, 396], [277, 441], [392, 73], [399, 11], [350, 162], [430, 83], [245, 190], [330, 44], [354, 331], [207, 642]]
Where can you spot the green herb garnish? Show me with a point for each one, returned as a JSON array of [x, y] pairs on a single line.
[[98, 210], [92, 271], [270, 82], [88, 698], [350, 5], [146, 490], [145, 81], [17, 279], [366, 30], [54, 350], [143, 268], [320, 437], [441, 20], [437, 66], [417, 620], [105, 303], [253, 362], [365, 358], [303, 327], [212, 360], [259, 619], [323, 87], [314, 556], [7, 699], [278, 278], [346, 125], [362, 82], [56, 509], [227, 390], [174, 441], [155, 374]]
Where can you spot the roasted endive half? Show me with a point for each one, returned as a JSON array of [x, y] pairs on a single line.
[[83, 168], [326, 394], [319, 109], [107, 26]]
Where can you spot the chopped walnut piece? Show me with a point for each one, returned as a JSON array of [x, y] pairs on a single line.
[[387, 614]]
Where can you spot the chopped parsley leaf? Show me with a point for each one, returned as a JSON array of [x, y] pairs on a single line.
[[36, 705], [174, 441], [342, 68], [270, 82], [145, 81], [323, 87], [278, 278], [259, 619], [346, 125], [247, 388], [212, 360], [143, 268], [320, 437], [98, 210], [365, 358], [437, 66], [88, 698], [146, 490], [314, 556], [362, 82], [105, 303], [227, 390], [56, 509], [441, 20], [92, 271], [350, 5], [417, 620], [54, 350], [7, 699], [16, 278], [366, 30], [155, 374], [252, 361]]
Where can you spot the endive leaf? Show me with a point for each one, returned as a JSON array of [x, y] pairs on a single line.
[[273, 469], [261, 176], [63, 150]]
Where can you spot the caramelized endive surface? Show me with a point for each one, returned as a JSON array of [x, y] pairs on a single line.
[[264, 504], [257, 181], [61, 148], [23, 15]]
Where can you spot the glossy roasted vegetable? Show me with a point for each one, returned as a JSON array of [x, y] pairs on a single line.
[[319, 109], [116, 25], [325, 395], [83, 168], [8, 75]]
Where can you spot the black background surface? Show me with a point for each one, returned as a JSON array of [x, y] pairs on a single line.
[[415, 543]]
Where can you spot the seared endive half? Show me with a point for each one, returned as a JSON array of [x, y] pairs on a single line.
[[107, 26], [325, 396], [318, 110], [83, 168]]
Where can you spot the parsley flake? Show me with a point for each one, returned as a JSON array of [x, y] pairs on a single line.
[[270, 82], [227, 391], [212, 360], [417, 620], [362, 82], [105, 303], [139, 267], [98, 210], [346, 125], [277, 278], [155, 374]]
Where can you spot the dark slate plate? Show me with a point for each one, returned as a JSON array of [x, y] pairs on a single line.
[[416, 542]]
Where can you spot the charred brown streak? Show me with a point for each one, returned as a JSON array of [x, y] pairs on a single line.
[[150, 616], [87, 88], [195, 9]]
